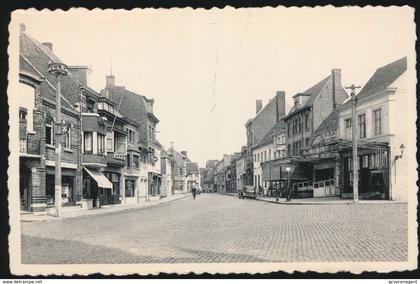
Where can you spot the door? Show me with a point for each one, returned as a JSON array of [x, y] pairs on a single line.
[[332, 186], [25, 190]]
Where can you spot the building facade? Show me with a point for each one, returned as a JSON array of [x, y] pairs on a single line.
[[382, 139]]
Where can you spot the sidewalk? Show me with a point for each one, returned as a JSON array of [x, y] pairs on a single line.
[[38, 217], [319, 200]]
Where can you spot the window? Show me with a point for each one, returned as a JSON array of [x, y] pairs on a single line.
[[265, 156], [180, 171], [136, 161], [269, 154], [151, 133], [288, 129], [307, 121], [101, 105], [289, 150], [131, 135], [87, 138], [307, 142], [67, 137], [110, 141], [120, 143], [128, 161], [377, 121], [362, 125], [129, 188], [347, 122], [49, 128], [101, 144], [255, 157], [22, 114]]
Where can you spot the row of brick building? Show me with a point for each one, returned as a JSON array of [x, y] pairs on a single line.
[[312, 142], [110, 154]]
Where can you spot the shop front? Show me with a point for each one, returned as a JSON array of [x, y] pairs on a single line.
[[96, 188], [373, 171], [68, 182], [277, 172], [131, 192], [155, 180]]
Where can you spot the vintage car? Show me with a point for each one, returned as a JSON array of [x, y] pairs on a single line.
[[247, 192]]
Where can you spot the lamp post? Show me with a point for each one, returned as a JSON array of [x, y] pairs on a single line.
[[288, 197], [354, 139], [58, 70]]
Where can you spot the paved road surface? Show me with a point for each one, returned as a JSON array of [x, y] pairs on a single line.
[[218, 228]]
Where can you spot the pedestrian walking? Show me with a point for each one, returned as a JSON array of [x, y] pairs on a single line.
[[194, 192]]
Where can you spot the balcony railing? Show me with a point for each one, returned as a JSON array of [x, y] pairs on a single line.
[[29, 145]]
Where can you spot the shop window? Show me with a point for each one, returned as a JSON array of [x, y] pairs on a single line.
[[49, 131], [129, 188], [365, 161]]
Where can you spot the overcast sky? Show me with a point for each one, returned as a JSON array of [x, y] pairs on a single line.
[[205, 69]]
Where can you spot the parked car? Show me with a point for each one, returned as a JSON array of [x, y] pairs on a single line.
[[247, 192]]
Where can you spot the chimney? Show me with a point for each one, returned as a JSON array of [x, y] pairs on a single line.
[[280, 105], [184, 153], [171, 145], [80, 72], [258, 106], [110, 81], [49, 45], [336, 81], [22, 27]]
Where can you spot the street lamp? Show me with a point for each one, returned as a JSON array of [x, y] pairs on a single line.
[[288, 197], [58, 70], [402, 148]]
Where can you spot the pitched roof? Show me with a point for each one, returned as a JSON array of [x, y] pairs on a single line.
[[328, 127], [131, 105], [35, 56], [382, 78], [313, 93], [268, 138]]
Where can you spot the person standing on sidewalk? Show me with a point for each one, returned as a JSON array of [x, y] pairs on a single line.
[[194, 192]]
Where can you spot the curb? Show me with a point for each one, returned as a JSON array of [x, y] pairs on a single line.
[[339, 202], [54, 219]]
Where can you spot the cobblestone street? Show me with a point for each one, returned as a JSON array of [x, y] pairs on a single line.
[[219, 228]]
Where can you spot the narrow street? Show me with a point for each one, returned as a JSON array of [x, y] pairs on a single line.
[[219, 228]]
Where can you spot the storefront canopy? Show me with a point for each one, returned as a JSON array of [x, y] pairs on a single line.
[[99, 178], [276, 170]]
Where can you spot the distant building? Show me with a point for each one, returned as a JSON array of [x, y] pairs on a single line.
[[258, 127], [267, 155]]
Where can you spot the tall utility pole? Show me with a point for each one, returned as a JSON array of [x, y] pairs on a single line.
[[354, 139], [58, 70]]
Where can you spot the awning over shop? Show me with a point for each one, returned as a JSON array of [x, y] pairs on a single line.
[[99, 178], [276, 170]]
